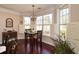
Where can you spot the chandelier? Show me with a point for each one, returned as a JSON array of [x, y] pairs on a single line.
[[33, 15]]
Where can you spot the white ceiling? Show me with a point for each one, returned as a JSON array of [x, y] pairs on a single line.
[[26, 9]]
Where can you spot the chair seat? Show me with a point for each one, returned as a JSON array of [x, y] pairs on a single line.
[[2, 49]]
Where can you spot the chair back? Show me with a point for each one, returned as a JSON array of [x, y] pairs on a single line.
[[6, 36], [39, 36], [29, 39], [11, 44]]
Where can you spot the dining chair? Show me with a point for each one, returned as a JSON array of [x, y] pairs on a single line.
[[11, 44], [28, 41], [11, 47], [39, 41]]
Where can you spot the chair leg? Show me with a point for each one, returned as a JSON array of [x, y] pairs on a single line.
[[36, 43], [31, 46], [40, 47], [26, 46], [31, 49]]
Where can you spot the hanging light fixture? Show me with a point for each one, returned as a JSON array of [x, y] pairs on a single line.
[[33, 18], [33, 15]]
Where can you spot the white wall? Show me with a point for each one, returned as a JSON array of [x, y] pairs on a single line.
[[48, 40], [73, 28], [3, 17], [55, 33], [73, 36]]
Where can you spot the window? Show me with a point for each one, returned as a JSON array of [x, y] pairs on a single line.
[[43, 23], [39, 23], [47, 21], [27, 22], [64, 15], [46, 30]]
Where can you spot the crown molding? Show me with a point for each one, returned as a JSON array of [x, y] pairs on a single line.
[[8, 11], [47, 11]]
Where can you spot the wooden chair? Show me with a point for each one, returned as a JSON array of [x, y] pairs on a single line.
[[10, 41], [8, 34], [26, 41], [39, 41], [11, 47], [29, 40]]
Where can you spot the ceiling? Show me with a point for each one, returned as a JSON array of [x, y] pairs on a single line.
[[27, 9]]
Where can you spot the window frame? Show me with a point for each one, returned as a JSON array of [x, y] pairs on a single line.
[[27, 24], [43, 24], [65, 23]]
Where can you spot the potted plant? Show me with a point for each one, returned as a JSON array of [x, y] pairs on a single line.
[[62, 47]]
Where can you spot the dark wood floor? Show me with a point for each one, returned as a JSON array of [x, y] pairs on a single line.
[[47, 49]]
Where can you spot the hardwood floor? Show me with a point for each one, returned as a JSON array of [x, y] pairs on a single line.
[[47, 49]]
